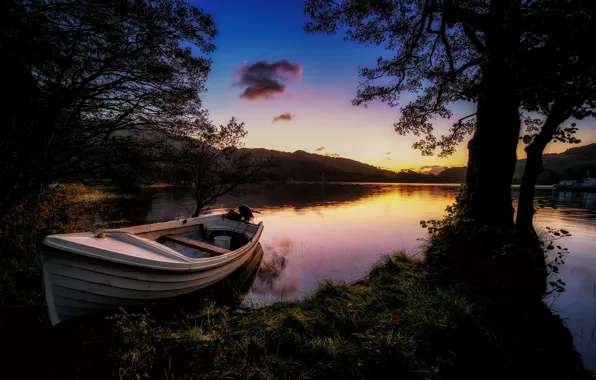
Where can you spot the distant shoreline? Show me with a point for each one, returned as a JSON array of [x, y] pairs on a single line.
[[161, 185]]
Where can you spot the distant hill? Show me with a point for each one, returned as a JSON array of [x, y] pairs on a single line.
[[570, 164], [455, 174], [304, 166]]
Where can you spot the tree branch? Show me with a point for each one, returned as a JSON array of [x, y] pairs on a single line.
[[473, 38]]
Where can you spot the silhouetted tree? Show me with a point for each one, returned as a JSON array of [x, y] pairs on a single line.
[[467, 50], [85, 79], [559, 82], [214, 161]]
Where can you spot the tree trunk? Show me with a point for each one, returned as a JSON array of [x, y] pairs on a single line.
[[197, 211], [535, 278], [534, 151], [198, 201], [492, 150], [525, 207], [491, 162]]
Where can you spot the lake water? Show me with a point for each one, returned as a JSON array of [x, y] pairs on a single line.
[[316, 232]]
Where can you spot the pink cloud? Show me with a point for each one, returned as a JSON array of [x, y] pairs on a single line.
[[323, 97], [263, 81], [284, 117]]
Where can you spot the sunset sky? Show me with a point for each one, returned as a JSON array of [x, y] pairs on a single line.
[[294, 90]]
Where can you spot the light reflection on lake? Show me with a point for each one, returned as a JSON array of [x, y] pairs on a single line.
[[337, 231]]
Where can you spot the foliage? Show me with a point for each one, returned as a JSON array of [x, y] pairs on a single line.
[[555, 50], [446, 239], [66, 208], [555, 257], [564, 134], [451, 218], [88, 82], [558, 54], [60, 209], [501, 263], [213, 161], [132, 332], [559, 73], [436, 48]]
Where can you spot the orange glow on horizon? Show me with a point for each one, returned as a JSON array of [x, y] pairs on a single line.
[[407, 158], [357, 133]]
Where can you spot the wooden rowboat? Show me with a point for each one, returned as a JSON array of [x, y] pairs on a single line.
[[88, 272]]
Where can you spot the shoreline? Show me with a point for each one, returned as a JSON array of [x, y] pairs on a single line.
[[392, 321]]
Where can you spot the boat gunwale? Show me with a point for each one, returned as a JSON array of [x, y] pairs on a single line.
[[107, 272], [189, 265]]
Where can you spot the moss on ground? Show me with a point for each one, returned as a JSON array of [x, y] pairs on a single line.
[[394, 324]]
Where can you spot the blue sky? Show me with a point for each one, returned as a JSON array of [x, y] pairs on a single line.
[[319, 98]]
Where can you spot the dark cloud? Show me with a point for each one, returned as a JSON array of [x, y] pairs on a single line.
[[388, 153], [319, 149], [284, 117], [264, 80]]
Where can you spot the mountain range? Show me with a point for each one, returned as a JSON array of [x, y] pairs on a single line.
[[303, 166], [571, 164]]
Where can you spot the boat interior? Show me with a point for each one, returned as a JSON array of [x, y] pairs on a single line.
[[201, 242], [211, 238]]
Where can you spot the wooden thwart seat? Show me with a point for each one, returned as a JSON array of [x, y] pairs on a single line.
[[195, 244]]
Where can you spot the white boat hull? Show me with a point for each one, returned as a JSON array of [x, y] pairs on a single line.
[[77, 285]]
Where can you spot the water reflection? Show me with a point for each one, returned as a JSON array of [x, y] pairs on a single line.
[[231, 291], [273, 278], [337, 231], [576, 212]]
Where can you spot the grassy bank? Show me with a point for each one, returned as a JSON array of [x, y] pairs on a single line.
[[393, 324]]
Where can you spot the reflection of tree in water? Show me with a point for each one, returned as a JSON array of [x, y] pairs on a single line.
[[148, 205], [156, 205], [230, 291], [574, 201], [127, 210], [304, 195], [241, 281], [582, 199], [270, 278]]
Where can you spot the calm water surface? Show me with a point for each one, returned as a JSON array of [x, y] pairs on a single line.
[[337, 231]]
